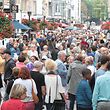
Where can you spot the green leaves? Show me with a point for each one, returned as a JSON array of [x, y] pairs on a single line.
[[6, 29], [95, 8]]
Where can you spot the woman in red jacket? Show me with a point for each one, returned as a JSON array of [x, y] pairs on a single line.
[[17, 94]]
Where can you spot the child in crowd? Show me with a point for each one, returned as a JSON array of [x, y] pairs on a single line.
[[84, 93]]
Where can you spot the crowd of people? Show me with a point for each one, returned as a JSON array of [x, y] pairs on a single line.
[[69, 66]]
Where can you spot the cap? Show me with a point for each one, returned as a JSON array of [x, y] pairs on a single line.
[[7, 51], [44, 57]]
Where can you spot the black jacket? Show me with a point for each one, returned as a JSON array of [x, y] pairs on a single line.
[[1, 81], [9, 65]]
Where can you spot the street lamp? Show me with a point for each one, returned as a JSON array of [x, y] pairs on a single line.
[[29, 15], [44, 25]]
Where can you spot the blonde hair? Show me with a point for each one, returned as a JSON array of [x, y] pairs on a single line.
[[89, 60], [17, 91], [50, 65]]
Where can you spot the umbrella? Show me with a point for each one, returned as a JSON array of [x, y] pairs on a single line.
[[106, 26], [18, 25], [63, 25], [71, 28], [79, 25]]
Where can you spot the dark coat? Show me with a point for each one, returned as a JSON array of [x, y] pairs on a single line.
[[1, 85], [9, 65]]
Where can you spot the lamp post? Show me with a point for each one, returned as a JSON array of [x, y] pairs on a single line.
[[44, 25], [29, 15]]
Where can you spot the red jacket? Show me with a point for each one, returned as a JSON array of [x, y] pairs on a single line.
[[13, 104]]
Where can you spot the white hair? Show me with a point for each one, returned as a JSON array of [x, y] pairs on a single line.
[[60, 53], [37, 64]]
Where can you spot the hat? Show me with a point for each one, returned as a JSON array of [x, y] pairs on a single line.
[[44, 57], [7, 51]]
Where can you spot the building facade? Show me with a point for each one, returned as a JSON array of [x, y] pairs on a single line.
[[50, 8], [65, 9], [108, 8], [76, 10]]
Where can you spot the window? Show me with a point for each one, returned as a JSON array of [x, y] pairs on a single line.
[[57, 8]]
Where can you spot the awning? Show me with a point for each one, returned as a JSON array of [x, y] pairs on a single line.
[[106, 26], [18, 25], [71, 28]]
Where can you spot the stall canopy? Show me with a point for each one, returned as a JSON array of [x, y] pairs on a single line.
[[71, 28], [106, 26], [18, 25]]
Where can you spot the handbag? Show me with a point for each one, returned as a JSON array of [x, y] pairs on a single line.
[[34, 96], [58, 104]]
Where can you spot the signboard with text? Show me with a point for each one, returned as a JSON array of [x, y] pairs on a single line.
[[14, 8]]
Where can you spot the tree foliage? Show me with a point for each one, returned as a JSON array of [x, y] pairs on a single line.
[[95, 8], [100, 9]]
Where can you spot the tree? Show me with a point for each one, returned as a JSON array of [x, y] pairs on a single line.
[[100, 9], [84, 9], [95, 8]]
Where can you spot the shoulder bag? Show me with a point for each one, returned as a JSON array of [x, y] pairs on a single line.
[[34, 96], [58, 104]]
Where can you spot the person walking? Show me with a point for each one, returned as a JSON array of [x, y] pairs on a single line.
[[1, 85], [74, 76], [84, 92], [101, 93], [9, 65], [54, 88], [1, 72], [13, 77], [18, 93], [26, 80], [61, 67], [101, 71], [40, 83]]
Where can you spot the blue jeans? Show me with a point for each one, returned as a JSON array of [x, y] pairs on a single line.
[[72, 99]]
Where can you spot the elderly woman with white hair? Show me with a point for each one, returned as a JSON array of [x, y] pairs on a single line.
[[33, 51], [45, 52], [54, 88]]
